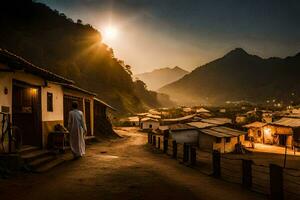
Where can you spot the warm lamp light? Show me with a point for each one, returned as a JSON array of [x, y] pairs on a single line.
[[33, 91]]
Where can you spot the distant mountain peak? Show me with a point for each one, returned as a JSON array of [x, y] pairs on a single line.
[[237, 52], [160, 77]]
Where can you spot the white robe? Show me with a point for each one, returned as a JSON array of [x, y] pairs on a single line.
[[77, 129]]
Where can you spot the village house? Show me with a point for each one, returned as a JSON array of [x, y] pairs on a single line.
[[283, 132], [256, 132], [38, 100], [183, 133], [221, 138], [148, 123]]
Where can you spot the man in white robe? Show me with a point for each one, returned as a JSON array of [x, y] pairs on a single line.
[[77, 129]]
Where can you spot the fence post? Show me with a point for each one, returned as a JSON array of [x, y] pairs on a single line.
[[154, 140], [247, 173], [174, 149], [276, 182], [193, 156], [165, 145], [158, 145], [185, 152], [216, 164], [149, 137]]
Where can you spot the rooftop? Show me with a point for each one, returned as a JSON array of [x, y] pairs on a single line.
[[222, 131], [15, 62]]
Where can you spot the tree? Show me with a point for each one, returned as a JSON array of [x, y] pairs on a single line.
[[79, 21]]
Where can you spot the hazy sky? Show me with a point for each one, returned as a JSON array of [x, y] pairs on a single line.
[[188, 33]]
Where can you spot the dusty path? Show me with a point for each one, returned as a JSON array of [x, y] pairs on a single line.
[[123, 169]]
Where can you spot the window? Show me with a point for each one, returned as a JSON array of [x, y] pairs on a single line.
[[259, 133], [150, 126], [218, 140], [228, 139], [49, 102]]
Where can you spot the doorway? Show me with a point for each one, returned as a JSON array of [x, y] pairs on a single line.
[[26, 112]]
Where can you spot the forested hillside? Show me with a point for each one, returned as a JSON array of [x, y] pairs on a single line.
[[53, 41]]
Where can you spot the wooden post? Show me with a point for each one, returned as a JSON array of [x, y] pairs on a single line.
[[154, 140], [247, 173], [158, 145], [174, 149], [193, 156], [185, 152], [149, 138], [276, 182], [216, 164], [165, 145]]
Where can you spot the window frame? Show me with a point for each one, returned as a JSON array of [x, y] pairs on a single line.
[[50, 102]]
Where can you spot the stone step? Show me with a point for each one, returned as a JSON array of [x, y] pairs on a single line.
[[41, 161], [28, 157], [27, 149], [49, 165]]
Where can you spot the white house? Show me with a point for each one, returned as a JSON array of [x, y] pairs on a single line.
[[148, 123], [38, 99], [220, 138]]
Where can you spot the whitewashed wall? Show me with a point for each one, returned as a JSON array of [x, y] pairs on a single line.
[[185, 136], [58, 103]]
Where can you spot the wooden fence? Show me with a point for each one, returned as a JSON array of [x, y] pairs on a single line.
[[273, 180]]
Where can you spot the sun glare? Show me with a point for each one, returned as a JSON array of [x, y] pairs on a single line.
[[110, 33]]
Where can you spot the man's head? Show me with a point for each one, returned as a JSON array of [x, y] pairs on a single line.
[[75, 105]]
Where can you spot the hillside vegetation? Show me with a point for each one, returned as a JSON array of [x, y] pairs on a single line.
[[51, 40]]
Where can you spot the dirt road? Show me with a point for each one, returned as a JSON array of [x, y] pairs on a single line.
[[121, 169]]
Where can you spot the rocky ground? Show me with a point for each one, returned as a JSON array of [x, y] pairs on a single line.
[[121, 169]]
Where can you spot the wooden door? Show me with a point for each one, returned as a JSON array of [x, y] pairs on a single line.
[[26, 112], [87, 105]]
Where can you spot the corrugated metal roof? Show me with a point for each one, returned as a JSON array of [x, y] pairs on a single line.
[[201, 124], [228, 131], [153, 116], [222, 131], [180, 127], [255, 125], [218, 121], [133, 119], [179, 118], [149, 119], [288, 122], [104, 103], [202, 110], [214, 133]]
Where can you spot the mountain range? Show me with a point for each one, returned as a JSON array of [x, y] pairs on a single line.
[[160, 77], [239, 76]]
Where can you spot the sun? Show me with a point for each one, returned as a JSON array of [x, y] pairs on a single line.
[[110, 33]]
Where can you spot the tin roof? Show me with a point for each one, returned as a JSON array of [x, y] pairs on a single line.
[[218, 121], [288, 122], [222, 131], [179, 118], [146, 119], [201, 124], [202, 110], [104, 103], [181, 127], [18, 63], [255, 125]]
